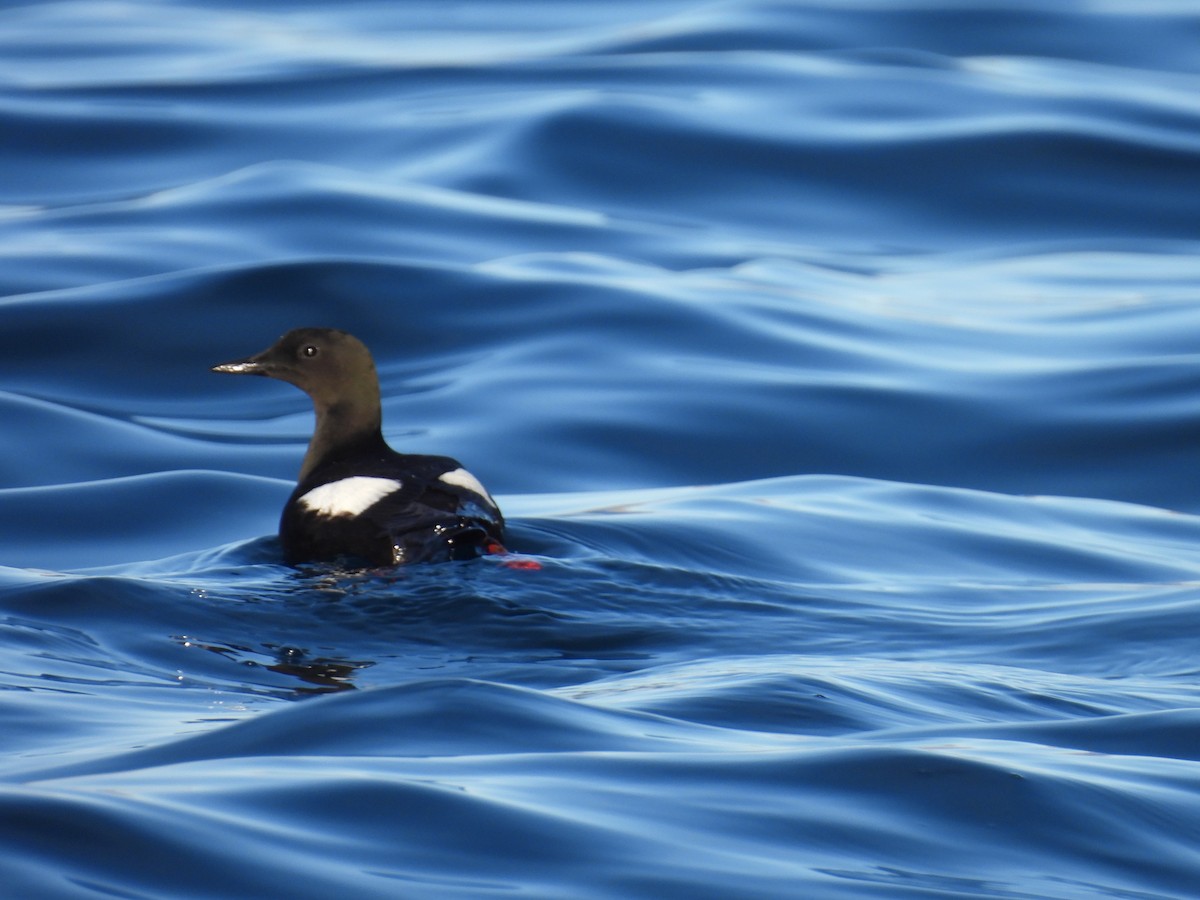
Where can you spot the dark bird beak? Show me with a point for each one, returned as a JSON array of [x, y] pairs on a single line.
[[249, 366]]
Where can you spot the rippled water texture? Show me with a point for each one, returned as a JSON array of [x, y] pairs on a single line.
[[837, 361]]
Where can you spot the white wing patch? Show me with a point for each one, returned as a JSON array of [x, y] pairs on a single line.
[[348, 497], [464, 479]]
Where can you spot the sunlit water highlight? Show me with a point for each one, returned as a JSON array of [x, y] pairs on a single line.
[[836, 361]]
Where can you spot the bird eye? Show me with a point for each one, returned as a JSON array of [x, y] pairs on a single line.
[[309, 351]]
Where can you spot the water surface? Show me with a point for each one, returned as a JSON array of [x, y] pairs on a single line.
[[835, 361]]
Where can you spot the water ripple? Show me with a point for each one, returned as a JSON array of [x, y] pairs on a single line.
[[832, 360]]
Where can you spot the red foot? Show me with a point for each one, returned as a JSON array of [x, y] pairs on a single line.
[[497, 549]]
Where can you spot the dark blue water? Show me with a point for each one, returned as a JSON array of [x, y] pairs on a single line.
[[838, 362]]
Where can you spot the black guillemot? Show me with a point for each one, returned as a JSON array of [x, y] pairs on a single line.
[[355, 496]]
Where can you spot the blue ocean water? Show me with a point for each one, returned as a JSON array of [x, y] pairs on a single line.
[[838, 361]]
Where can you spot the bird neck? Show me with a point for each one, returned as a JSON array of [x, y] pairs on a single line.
[[339, 428]]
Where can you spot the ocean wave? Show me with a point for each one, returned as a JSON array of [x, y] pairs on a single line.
[[832, 364]]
